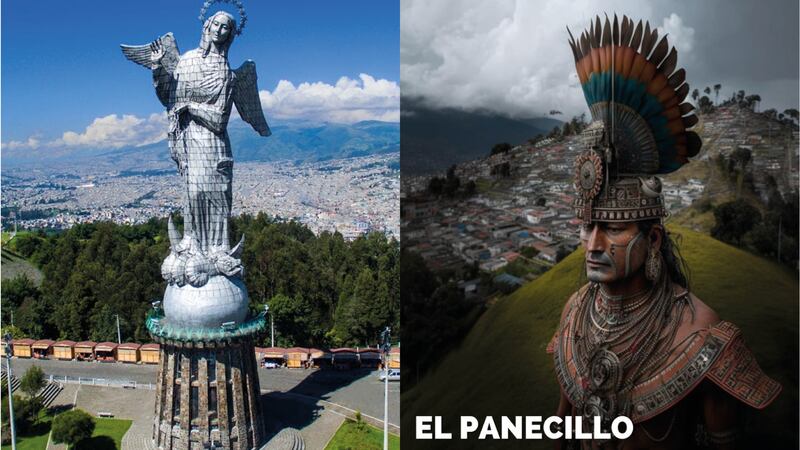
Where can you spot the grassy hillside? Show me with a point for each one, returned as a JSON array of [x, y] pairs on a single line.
[[501, 367], [14, 264]]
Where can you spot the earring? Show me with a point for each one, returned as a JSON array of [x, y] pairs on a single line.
[[652, 268]]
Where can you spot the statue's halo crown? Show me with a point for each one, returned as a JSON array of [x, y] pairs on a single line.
[[237, 3]]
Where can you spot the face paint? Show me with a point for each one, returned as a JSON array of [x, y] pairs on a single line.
[[614, 251], [628, 250]]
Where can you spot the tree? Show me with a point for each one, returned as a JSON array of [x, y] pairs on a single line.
[[751, 101], [470, 188], [562, 253], [17, 289], [717, 87], [578, 123], [695, 94], [15, 332], [741, 157], [71, 427], [26, 411], [365, 311], [452, 182], [791, 112], [705, 104], [27, 244], [502, 147], [435, 315], [33, 381], [30, 317], [733, 220], [707, 90], [436, 186]]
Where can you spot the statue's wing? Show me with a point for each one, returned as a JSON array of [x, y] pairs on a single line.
[[142, 54], [245, 96]]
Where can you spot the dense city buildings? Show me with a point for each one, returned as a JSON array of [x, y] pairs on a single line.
[[519, 209], [352, 196]]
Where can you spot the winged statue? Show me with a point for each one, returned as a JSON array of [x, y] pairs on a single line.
[[198, 90]]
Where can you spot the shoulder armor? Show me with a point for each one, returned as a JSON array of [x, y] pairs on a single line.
[[736, 371], [717, 353]]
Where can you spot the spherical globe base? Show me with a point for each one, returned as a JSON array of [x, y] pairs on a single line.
[[220, 300]]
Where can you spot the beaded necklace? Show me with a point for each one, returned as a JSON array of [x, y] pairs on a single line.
[[620, 340]]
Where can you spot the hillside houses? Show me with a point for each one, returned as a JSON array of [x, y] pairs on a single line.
[[773, 145], [528, 214], [492, 230]]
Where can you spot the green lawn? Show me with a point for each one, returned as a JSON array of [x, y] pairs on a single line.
[[35, 439], [350, 437], [107, 435]]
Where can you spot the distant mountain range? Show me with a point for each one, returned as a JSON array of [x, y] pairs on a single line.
[[298, 141], [434, 139]]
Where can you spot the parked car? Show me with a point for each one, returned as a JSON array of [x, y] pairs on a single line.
[[394, 375]]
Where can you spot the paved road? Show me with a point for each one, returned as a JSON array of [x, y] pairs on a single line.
[[359, 390]]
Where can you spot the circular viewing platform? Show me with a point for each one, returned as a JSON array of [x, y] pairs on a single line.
[[165, 332]]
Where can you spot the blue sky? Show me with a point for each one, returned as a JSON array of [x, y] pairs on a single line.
[[62, 69]]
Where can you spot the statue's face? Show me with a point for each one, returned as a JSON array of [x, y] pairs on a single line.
[[614, 251], [220, 29]]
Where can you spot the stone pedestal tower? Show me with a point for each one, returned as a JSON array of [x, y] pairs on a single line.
[[207, 395]]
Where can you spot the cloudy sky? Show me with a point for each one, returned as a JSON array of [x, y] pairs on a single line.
[[512, 57], [65, 82]]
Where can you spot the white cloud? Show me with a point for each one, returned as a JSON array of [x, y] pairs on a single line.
[[347, 101], [32, 143], [114, 132], [508, 56], [111, 131], [680, 35]]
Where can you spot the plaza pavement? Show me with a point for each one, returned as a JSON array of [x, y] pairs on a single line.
[[315, 402]]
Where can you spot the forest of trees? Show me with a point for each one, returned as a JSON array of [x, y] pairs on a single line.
[[322, 290], [436, 316], [763, 222]]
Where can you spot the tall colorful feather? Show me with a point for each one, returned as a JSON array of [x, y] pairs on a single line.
[[626, 65]]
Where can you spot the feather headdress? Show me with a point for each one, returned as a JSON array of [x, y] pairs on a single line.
[[631, 84], [635, 96]]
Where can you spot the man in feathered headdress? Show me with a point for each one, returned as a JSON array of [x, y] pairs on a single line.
[[635, 341]]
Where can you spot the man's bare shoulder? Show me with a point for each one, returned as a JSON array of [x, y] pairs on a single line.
[[697, 316]]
